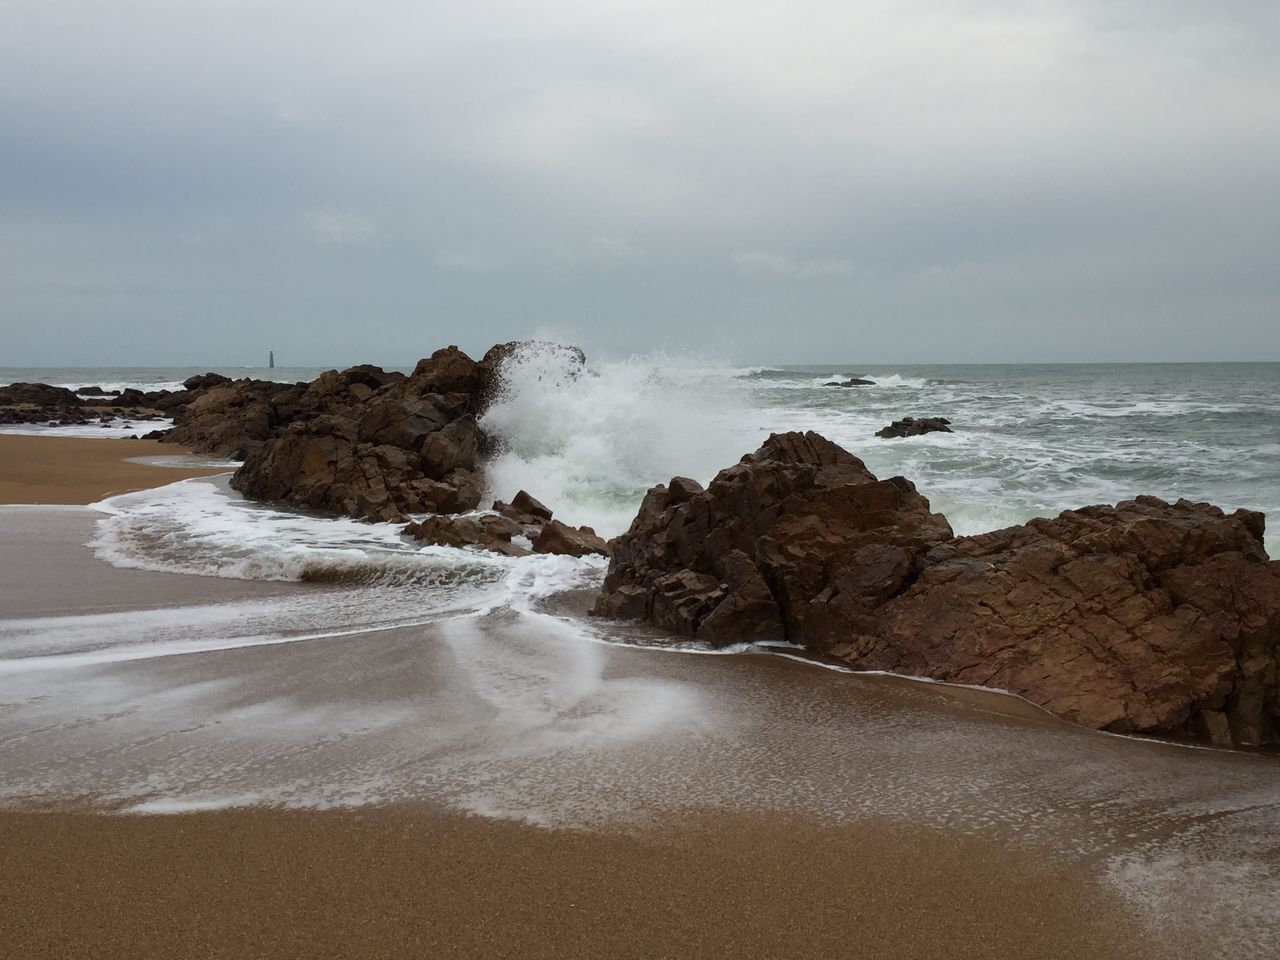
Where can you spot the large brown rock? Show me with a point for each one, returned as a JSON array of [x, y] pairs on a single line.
[[560, 538], [743, 559], [231, 418], [376, 445], [37, 395], [1146, 617]]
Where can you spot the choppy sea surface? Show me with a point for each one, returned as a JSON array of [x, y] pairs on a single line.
[[1029, 440], [375, 671]]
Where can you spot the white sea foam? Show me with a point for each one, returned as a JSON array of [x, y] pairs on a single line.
[[97, 431], [589, 442]]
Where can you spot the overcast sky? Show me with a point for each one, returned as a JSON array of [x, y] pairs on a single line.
[[195, 182]]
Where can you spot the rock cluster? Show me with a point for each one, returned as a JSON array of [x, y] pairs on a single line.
[[911, 427], [524, 518], [214, 433], [366, 443], [1144, 617]]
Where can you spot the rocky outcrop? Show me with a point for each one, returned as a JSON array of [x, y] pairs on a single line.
[[1144, 617], [560, 538], [367, 443], [230, 419], [852, 382], [911, 427], [744, 558], [487, 531], [524, 517], [37, 395]]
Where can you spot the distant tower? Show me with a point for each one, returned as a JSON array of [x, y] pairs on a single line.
[[271, 359]]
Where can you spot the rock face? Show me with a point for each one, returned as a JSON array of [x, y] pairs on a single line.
[[370, 444], [745, 558], [227, 419], [1146, 617], [911, 427]]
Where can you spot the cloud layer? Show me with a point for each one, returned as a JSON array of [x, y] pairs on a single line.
[[775, 182]]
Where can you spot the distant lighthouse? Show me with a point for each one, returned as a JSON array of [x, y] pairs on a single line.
[[271, 359]]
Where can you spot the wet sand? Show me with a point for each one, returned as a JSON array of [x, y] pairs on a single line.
[[68, 470], [398, 883]]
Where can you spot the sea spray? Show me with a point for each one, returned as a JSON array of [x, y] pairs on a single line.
[[588, 441]]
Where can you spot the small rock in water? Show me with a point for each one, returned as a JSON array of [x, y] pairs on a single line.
[[911, 427]]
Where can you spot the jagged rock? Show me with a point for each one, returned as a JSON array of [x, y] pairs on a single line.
[[373, 444], [765, 537], [1145, 617], [560, 538], [911, 427], [529, 506], [487, 532], [38, 395], [230, 417], [203, 381], [130, 398]]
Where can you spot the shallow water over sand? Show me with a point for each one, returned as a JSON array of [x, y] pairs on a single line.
[[167, 693]]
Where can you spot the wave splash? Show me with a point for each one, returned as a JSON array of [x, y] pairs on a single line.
[[589, 441]]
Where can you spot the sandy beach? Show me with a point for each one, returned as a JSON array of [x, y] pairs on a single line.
[[60, 470], [394, 883]]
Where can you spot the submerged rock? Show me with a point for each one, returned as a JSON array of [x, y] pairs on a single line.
[[911, 427], [1144, 617]]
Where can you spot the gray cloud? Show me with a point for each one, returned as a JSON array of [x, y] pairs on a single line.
[[777, 181]]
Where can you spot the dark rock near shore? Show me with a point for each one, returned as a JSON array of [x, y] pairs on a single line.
[[911, 427], [1144, 617], [487, 532], [852, 382], [742, 559], [373, 444], [204, 381], [229, 417], [38, 395], [495, 531], [560, 538]]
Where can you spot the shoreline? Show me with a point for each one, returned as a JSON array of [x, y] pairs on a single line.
[[68, 471]]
